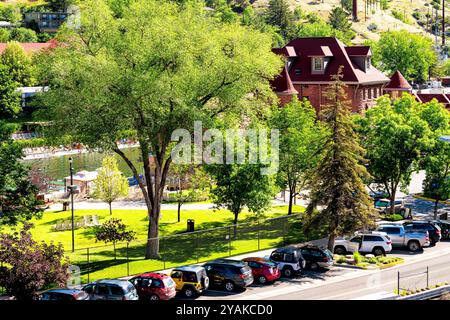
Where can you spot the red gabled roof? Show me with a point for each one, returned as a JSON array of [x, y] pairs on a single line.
[[305, 47], [31, 47], [398, 82], [358, 51], [287, 51], [427, 97], [282, 84]]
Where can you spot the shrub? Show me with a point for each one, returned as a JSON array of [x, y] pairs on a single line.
[[357, 257], [341, 259], [372, 260]]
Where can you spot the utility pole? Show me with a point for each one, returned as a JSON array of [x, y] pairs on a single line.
[[71, 200], [355, 10]]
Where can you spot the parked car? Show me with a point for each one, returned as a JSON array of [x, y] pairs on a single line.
[[377, 243], [433, 229], [263, 270], [289, 260], [384, 206], [316, 257], [378, 194], [413, 240], [445, 228], [154, 286], [111, 289], [190, 280], [229, 274], [63, 295]]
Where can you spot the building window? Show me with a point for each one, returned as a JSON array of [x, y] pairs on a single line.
[[298, 72], [317, 64], [305, 86], [370, 94], [368, 63]]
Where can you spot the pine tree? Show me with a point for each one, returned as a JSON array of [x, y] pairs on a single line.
[[337, 185], [279, 14]]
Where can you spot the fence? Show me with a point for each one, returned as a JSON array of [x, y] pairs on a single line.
[[186, 248], [417, 280]]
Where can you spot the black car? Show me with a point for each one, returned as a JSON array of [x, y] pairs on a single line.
[[289, 260], [445, 228], [316, 257], [63, 295], [229, 274], [433, 229]]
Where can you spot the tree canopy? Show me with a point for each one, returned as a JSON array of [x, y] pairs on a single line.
[[411, 54], [159, 68]]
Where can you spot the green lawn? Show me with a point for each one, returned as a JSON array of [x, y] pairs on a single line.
[[176, 247]]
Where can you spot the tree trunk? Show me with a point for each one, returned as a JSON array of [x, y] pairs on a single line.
[[110, 208], [179, 211], [331, 239], [291, 197], [236, 214], [152, 249], [436, 203]]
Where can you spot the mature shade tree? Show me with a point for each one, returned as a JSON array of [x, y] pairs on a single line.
[[159, 68], [19, 64], [412, 54], [337, 183], [280, 15], [9, 97], [28, 266], [196, 179], [113, 231], [110, 184], [437, 182], [396, 134], [300, 141], [320, 28]]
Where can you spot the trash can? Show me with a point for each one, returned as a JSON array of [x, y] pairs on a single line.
[[190, 225]]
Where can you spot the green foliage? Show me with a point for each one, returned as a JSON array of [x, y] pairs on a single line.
[[393, 217], [4, 35], [396, 134], [153, 82], [337, 183], [113, 230], [18, 64], [339, 19], [9, 97], [357, 257], [23, 35], [322, 29], [280, 15], [10, 13], [241, 185], [401, 16], [110, 184], [341, 259], [300, 141], [347, 5], [411, 54]]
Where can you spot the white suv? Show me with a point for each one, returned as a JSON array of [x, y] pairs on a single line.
[[377, 243]]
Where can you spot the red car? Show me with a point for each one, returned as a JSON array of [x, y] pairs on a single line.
[[154, 286], [263, 270]]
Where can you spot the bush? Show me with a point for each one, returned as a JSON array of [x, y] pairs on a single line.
[[372, 260], [393, 217], [357, 257], [341, 259]]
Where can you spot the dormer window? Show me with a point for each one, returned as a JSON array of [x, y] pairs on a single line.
[[368, 63], [318, 65]]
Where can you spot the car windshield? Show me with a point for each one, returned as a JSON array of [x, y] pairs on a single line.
[[81, 295], [328, 253]]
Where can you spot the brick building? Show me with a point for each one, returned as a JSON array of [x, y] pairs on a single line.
[[310, 63]]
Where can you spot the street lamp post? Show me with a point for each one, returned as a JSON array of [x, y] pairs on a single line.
[[71, 200]]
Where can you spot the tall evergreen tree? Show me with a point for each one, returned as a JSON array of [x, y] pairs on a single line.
[[337, 185], [280, 15], [338, 19]]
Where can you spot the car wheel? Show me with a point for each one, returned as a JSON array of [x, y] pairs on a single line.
[[154, 297], [189, 292], [229, 286], [378, 251], [262, 279], [314, 266], [340, 250], [413, 246], [288, 272]]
